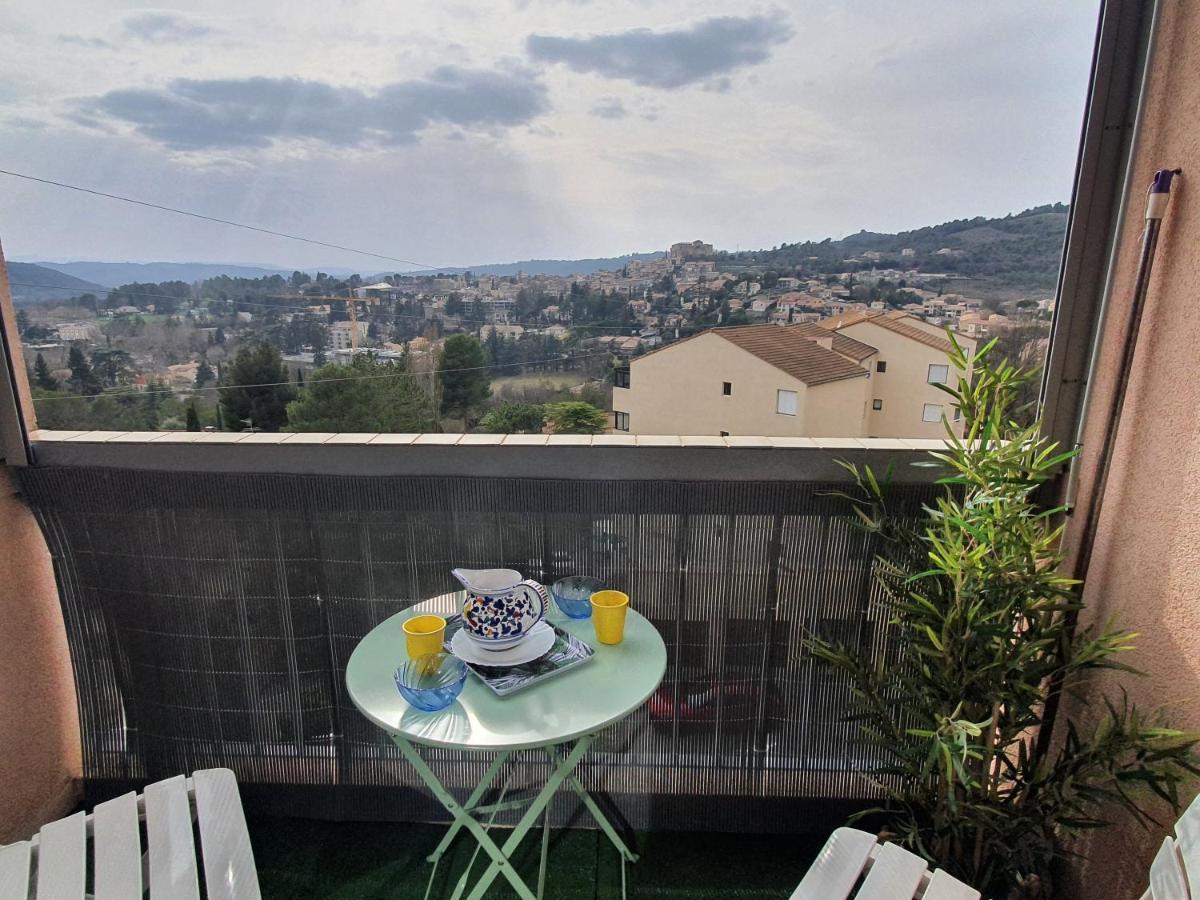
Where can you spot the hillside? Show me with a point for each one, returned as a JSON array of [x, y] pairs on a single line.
[[561, 267], [112, 274], [1020, 250], [31, 283]]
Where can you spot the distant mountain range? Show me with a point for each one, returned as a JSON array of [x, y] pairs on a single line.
[[546, 266], [1021, 249], [31, 283], [114, 274]]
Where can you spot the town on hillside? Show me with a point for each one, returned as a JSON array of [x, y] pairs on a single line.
[[693, 341]]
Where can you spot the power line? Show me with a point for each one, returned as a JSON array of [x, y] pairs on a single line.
[[219, 221], [405, 374], [303, 309]]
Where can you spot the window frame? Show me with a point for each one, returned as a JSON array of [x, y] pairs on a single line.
[[881, 366], [929, 373], [876, 405], [1122, 49], [941, 412], [621, 377], [779, 395], [726, 388], [617, 417]]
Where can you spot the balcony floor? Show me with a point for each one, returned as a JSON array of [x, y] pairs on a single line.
[[357, 860]]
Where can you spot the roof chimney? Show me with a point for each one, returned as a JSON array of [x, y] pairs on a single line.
[[824, 341]]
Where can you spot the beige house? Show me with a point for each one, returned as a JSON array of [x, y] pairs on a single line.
[[911, 362], [861, 379], [757, 379]]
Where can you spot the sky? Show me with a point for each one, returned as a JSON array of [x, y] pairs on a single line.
[[457, 133]]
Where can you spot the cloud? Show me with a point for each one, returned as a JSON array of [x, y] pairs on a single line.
[[191, 114], [155, 26], [609, 108], [668, 59], [80, 41]]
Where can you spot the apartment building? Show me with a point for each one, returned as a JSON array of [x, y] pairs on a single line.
[[341, 334], [850, 378], [910, 362]]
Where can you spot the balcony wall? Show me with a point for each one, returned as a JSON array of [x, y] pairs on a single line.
[[39, 727], [1146, 564], [213, 591]]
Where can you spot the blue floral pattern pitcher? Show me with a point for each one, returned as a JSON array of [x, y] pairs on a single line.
[[501, 607]]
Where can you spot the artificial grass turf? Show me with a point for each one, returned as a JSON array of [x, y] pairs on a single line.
[[363, 860]]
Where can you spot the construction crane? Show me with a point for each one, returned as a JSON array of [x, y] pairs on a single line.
[[351, 308]]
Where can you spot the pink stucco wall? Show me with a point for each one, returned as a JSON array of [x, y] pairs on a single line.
[[1146, 564], [39, 727]]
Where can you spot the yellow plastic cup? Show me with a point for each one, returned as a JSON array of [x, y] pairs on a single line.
[[608, 615], [424, 635]]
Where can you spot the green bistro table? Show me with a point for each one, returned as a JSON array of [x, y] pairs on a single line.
[[560, 717]]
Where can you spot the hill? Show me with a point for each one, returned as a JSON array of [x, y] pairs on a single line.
[[31, 283], [113, 274], [544, 266], [1019, 250]]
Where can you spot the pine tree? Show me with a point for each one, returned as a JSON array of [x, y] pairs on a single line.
[[258, 391], [82, 380], [204, 374], [41, 374], [465, 381], [193, 418]]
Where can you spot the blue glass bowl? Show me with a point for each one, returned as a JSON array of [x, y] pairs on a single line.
[[431, 682], [573, 595]]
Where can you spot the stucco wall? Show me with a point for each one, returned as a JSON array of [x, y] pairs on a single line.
[[39, 726], [679, 391], [904, 388], [1146, 564]]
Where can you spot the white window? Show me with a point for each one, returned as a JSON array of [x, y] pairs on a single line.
[[876, 404], [939, 374], [785, 403], [932, 412]]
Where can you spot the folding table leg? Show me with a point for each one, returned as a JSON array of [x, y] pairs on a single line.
[[601, 819], [464, 819], [472, 801], [500, 858]]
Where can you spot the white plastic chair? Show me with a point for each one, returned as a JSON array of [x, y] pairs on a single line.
[[888, 872], [53, 864], [1175, 872]]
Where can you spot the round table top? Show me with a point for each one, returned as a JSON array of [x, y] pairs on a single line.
[[582, 700]]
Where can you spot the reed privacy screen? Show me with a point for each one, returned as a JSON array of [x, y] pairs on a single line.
[[210, 617]]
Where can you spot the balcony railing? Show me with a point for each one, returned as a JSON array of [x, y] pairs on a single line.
[[211, 606]]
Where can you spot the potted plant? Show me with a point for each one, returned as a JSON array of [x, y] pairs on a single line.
[[983, 618]]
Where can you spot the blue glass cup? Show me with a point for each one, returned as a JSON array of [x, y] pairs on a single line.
[[431, 682], [574, 593]]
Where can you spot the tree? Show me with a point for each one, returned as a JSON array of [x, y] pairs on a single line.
[[256, 390], [22, 321], [576, 417], [41, 374], [366, 395], [219, 336], [514, 418], [204, 374], [111, 366], [193, 418], [319, 357], [981, 615], [82, 380], [465, 382], [455, 305]]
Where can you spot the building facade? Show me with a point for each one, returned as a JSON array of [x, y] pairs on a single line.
[[792, 381]]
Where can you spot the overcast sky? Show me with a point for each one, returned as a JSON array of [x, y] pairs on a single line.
[[478, 131]]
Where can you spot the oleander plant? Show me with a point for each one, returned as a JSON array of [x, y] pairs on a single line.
[[985, 622]]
